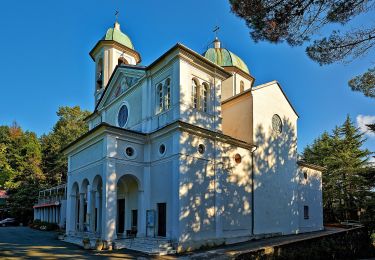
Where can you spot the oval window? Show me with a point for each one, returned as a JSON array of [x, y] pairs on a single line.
[[162, 149], [201, 148], [129, 151], [237, 158], [123, 116], [277, 125]]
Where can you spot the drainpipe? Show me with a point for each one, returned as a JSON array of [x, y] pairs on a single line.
[[252, 188]]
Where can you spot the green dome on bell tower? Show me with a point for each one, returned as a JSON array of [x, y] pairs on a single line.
[[115, 34], [224, 57]]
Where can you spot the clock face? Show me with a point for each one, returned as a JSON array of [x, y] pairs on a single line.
[[277, 125]]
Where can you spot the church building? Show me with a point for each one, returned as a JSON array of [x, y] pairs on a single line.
[[186, 152]]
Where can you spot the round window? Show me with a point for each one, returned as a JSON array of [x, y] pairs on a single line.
[[162, 149], [237, 158], [123, 116], [201, 149], [129, 151], [277, 125]]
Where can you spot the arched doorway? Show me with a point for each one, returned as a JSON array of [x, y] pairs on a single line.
[[127, 206]]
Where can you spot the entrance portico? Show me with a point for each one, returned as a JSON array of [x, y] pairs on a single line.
[[129, 203]]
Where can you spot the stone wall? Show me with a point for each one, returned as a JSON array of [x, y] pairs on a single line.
[[349, 244]]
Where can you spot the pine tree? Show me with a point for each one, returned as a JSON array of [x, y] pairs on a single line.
[[323, 24], [348, 180]]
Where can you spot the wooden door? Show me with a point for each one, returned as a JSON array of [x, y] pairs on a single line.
[[162, 219], [120, 215]]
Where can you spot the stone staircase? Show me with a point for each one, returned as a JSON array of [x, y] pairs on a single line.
[[148, 245]]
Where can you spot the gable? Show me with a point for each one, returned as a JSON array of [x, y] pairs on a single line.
[[123, 79], [275, 92]]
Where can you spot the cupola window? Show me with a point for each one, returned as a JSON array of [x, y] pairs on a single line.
[[122, 60], [99, 75]]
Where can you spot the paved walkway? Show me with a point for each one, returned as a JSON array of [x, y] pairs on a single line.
[[26, 243]]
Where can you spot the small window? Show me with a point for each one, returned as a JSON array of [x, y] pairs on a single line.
[[306, 212], [201, 149], [237, 158], [195, 94], [122, 60], [160, 97], [205, 94], [129, 151], [168, 94], [305, 175], [99, 74], [242, 86], [162, 149], [123, 114]]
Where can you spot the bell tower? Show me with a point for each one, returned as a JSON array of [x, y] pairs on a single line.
[[114, 49]]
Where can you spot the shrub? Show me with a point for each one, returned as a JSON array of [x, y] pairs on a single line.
[[42, 225]]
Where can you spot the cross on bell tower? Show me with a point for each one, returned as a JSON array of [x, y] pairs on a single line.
[[217, 43]]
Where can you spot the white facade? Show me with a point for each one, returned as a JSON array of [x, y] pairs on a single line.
[[158, 162]]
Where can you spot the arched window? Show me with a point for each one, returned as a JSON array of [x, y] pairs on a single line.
[[122, 60], [205, 96], [160, 97], [167, 93], [195, 93], [99, 74], [242, 86]]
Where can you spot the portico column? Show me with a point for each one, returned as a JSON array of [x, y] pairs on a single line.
[[81, 211], [98, 205], [92, 210], [141, 215], [109, 201], [71, 213]]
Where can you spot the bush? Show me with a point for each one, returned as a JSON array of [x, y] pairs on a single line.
[[42, 225]]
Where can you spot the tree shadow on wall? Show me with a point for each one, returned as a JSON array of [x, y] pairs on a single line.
[[276, 179]]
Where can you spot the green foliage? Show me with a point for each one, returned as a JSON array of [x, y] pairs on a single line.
[[28, 164], [20, 159], [297, 22], [44, 226], [364, 83], [68, 128], [349, 178]]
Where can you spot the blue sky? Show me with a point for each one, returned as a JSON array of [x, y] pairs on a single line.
[[45, 63]]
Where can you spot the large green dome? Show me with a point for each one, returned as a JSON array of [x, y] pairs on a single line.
[[224, 57], [115, 34]]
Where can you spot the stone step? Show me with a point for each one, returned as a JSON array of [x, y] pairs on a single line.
[[152, 246]]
